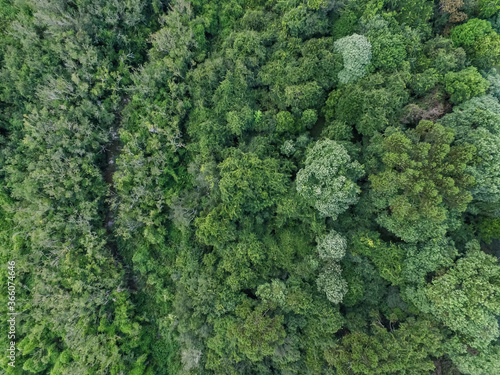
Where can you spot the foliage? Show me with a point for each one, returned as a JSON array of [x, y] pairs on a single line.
[[370, 104], [388, 258], [423, 178], [425, 82], [453, 9], [332, 246], [476, 122], [465, 298], [408, 349], [248, 184], [488, 8], [389, 51], [250, 187], [356, 51], [479, 40], [465, 84], [328, 179], [331, 282], [421, 260]]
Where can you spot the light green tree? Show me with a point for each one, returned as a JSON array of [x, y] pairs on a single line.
[[477, 122], [465, 84], [466, 298], [357, 53], [406, 350], [328, 178], [423, 177]]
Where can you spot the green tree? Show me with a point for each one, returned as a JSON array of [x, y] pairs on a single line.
[[466, 297], [414, 13], [388, 258], [465, 84], [471, 361], [183, 186], [422, 259], [441, 54], [356, 51], [389, 50], [408, 349], [328, 179], [423, 178], [488, 8], [249, 184], [477, 122], [370, 104], [479, 40]]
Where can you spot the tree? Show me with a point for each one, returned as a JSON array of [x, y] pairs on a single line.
[[356, 51], [469, 33], [389, 50], [479, 40], [477, 122], [425, 82], [441, 54], [183, 186], [328, 178], [249, 184], [331, 249], [414, 13], [388, 258], [422, 259], [63, 74], [470, 361], [332, 246], [259, 333], [453, 9], [488, 8], [494, 79], [466, 298], [370, 104], [330, 282], [423, 178], [408, 349], [465, 84], [306, 19]]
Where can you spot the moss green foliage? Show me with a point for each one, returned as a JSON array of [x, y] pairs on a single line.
[[479, 40], [370, 104], [407, 349], [465, 84], [423, 180], [250, 187], [476, 122], [464, 298], [488, 8]]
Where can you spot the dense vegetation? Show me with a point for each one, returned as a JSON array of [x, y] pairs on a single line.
[[251, 186]]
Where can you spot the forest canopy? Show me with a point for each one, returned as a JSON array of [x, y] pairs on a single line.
[[244, 187]]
